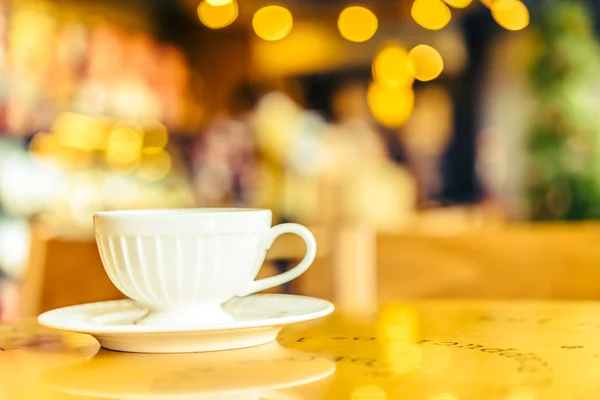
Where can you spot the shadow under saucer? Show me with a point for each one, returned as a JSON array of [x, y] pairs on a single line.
[[250, 373]]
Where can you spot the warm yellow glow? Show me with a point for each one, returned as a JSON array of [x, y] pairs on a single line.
[[75, 158], [443, 396], [458, 3], [370, 392], [79, 131], [510, 14], [121, 168], [390, 105], [523, 394], [156, 136], [47, 145], [357, 24], [309, 47], [217, 16], [487, 3], [390, 66], [44, 144], [272, 22], [218, 2], [425, 63], [155, 166], [124, 145], [398, 326], [431, 123], [431, 14]]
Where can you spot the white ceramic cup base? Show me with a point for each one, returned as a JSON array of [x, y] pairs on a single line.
[[203, 314], [185, 263]]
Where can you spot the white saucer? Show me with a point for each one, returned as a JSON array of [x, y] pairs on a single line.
[[258, 320]]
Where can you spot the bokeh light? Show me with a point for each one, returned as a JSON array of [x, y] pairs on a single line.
[[156, 137], [79, 131], [458, 3], [390, 66], [357, 24], [272, 23], [44, 144], [218, 2], [391, 106], [124, 145], [512, 15], [487, 3], [154, 166], [398, 326], [431, 14], [217, 16], [425, 63]]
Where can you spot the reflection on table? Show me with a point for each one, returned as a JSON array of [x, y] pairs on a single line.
[[432, 350]]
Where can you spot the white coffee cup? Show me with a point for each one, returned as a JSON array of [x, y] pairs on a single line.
[[184, 263]]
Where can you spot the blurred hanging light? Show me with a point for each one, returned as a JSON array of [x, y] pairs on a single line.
[[272, 22], [458, 3], [217, 16], [357, 24], [391, 106], [390, 66], [512, 15], [431, 14], [425, 63]]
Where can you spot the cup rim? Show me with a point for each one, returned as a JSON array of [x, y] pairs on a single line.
[[160, 212]]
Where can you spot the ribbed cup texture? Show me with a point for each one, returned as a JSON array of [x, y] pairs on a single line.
[[177, 271]]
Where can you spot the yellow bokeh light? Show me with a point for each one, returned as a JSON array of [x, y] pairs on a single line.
[[431, 14], [79, 131], [272, 23], [425, 63], [391, 106], [156, 136], [390, 66], [458, 3], [487, 3], [44, 144], [155, 166], [218, 2], [357, 24], [124, 145], [512, 15], [217, 16], [122, 168]]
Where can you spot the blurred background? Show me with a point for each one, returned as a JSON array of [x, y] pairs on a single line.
[[395, 119]]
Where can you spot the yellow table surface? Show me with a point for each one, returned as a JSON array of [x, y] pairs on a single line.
[[434, 350]]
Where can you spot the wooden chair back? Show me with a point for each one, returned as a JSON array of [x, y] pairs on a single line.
[[538, 261], [63, 271]]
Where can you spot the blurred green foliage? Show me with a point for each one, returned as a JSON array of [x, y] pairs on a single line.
[[564, 139]]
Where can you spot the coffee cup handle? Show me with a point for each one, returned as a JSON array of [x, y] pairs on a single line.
[[309, 257]]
